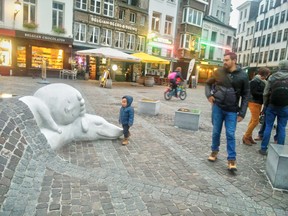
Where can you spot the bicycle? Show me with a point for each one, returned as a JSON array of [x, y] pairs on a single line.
[[170, 92]]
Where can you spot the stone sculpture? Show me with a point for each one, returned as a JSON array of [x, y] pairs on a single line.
[[60, 112]]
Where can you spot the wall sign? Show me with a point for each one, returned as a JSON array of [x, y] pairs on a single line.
[[49, 38]]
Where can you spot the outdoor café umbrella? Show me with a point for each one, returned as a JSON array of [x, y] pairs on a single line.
[[146, 58], [107, 52]]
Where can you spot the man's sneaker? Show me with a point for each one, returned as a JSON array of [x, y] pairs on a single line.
[[213, 156], [262, 152], [232, 165]]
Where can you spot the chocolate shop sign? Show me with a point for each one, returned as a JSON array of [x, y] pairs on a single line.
[[50, 38], [112, 23]]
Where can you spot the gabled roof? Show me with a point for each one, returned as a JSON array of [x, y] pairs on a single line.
[[217, 21]]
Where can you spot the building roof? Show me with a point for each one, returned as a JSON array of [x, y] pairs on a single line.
[[217, 21]]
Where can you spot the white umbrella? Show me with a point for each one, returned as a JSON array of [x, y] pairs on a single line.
[[107, 52]]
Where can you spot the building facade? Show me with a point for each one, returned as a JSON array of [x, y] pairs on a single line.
[[220, 9], [28, 36], [122, 25], [264, 42]]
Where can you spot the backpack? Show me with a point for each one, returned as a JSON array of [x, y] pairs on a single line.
[[279, 93], [172, 75]]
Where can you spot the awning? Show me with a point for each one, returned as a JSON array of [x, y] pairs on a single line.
[[146, 58]]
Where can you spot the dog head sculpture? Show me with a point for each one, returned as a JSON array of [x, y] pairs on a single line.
[[59, 111]]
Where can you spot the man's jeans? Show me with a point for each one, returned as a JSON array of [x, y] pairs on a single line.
[[282, 116], [230, 118]]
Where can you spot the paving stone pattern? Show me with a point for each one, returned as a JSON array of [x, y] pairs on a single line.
[[163, 171]]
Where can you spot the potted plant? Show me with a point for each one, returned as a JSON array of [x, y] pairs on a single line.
[[30, 25], [148, 106], [58, 29], [187, 119]]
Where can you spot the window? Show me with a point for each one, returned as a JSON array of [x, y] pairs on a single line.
[[29, 11], [265, 57], [266, 23], [221, 39], [192, 16], [21, 56], [184, 41], [229, 40], [285, 36], [1, 10], [93, 34], [81, 4], [261, 25], [245, 13], [257, 26], [243, 27], [57, 15], [119, 39], [108, 8], [256, 57], [156, 21], [168, 25], [246, 45], [241, 14], [276, 55], [252, 30], [279, 36], [95, 6], [252, 58], [282, 18], [261, 9], [142, 20], [273, 38], [276, 19], [211, 53], [222, 16], [204, 34], [140, 44], [80, 32], [6, 52], [282, 54], [213, 36], [121, 14], [258, 41], [271, 22], [263, 40], [260, 57], [132, 17], [268, 40], [254, 42], [130, 41], [106, 37], [270, 55], [248, 29]]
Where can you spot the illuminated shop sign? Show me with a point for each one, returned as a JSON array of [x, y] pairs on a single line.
[[49, 38], [162, 40], [112, 23]]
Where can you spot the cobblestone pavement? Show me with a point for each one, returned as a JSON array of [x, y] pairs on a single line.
[[163, 171]]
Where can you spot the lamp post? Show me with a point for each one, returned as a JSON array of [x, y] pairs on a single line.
[[17, 7]]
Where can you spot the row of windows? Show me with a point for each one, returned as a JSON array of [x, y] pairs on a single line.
[[107, 37], [275, 37], [272, 55], [105, 8], [156, 22], [215, 37]]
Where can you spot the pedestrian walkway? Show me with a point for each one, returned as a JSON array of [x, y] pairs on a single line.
[[163, 171]]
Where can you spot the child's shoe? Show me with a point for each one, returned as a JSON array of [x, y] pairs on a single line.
[[125, 141], [232, 165]]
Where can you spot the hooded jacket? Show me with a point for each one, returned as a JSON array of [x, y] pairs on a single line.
[[223, 82], [126, 116], [257, 87]]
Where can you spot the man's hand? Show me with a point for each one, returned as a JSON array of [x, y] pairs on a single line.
[[211, 99], [239, 118]]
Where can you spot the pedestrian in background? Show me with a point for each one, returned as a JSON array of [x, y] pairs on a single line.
[[126, 117], [276, 96], [231, 85], [257, 85]]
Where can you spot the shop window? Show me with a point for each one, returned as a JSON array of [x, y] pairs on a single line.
[[95, 6], [156, 21], [57, 15], [29, 11], [108, 8], [81, 4], [54, 57], [119, 40], [5, 52], [94, 34], [168, 25], [21, 56], [140, 44], [80, 32], [106, 37], [130, 41]]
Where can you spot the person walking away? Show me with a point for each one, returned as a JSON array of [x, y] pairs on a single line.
[[257, 85], [231, 85], [276, 96], [174, 79], [126, 117]]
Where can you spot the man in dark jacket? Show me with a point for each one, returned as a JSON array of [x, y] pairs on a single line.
[[224, 92]]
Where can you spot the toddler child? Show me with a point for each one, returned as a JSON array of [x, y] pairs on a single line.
[[126, 117]]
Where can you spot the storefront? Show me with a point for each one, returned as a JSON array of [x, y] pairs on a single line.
[[21, 53], [206, 69]]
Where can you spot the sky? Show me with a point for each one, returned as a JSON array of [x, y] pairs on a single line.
[[234, 16]]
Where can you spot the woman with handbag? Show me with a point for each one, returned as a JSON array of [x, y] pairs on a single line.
[[257, 85]]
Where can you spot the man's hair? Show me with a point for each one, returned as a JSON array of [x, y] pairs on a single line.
[[178, 69], [232, 55], [263, 71], [283, 65]]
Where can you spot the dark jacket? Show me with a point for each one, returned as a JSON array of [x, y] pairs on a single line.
[[257, 87], [126, 116], [220, 87]]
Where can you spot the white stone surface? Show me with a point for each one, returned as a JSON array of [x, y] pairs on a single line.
[[59, 111]]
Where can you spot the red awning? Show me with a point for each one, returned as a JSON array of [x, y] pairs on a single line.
[[7, 32]]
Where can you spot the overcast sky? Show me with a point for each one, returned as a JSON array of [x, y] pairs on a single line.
[[235, 15]]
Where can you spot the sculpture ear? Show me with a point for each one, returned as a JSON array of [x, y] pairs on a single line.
[[84, 125]]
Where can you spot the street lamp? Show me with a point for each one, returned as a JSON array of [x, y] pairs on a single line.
[[17, 7]]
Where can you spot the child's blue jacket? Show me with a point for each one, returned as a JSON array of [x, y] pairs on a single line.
[[126, 116]]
